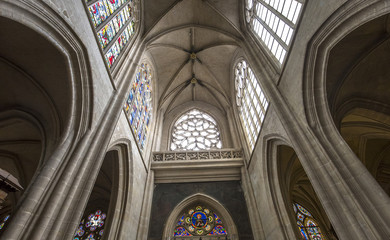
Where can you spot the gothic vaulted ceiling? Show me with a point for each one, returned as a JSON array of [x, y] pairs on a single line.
[[192, 44]]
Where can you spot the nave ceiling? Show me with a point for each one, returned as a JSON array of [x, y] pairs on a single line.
[[192, 44]]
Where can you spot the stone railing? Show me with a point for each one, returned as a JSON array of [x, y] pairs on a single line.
[[198, 155]]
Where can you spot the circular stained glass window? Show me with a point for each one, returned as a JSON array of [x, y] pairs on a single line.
[[92, 227]]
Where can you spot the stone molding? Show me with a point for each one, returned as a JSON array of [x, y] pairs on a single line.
[[197, 155], [201, 166]]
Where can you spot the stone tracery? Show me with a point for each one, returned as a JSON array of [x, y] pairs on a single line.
[[195, 130]]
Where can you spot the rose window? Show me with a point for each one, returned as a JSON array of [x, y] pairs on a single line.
[[195, 130], [91, 227]]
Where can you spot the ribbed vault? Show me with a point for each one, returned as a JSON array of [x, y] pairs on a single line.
[[192, 44]]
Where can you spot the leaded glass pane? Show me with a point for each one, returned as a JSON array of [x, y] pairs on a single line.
[[251, 101], [114, 21], [195, 130], [307, 225], [274, 23], [92, 227], [138, 106], [199, 221]]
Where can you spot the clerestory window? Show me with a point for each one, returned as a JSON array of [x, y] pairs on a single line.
[[274, 23], [114, 22], [195, 130], [138, 106], [307, 225], [251, 101]]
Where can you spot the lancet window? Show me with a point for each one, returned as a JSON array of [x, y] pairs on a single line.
[[274, 22], [195, 130], [91, 227], [251, 101], [138, 106], [114, 22], [307, 225], [199, 221]]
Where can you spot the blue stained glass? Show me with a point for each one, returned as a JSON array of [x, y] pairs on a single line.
[[91, 227], [99, 12], [199, 221], [306, 224], [114, 51], [303, 210], [218, 230], [138, 105], [109, 31], [217, 219], [181, 232], [114, 4]]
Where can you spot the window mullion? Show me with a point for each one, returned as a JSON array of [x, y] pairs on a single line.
[[247, 130], [249, 113], [257, 96], [274, 35], [256, 113], [98, 28], [278, 14], [109, 45]]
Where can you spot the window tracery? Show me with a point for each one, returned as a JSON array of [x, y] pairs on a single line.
[[138, 106], [274, 22], [199, 221], [91, 227], [114, 22], [251, 101], [195, 130], [307, 225]]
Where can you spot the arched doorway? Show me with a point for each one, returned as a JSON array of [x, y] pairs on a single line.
[[99, 212], [306, 213]]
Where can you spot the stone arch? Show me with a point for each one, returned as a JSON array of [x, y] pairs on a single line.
[[288, 183], [37, 47], [203, 199], [324, 105], [112, 191], [337, 27], [121, 199], [275, 185]]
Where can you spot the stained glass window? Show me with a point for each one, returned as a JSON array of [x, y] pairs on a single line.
[[307, 225], [251, 101], [114, 22], [199, 221], [195, 130], [91, 227], [3, 222], [274, 22], [138, 106]]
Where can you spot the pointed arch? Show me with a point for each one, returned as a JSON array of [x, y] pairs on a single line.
[[207, 201]]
